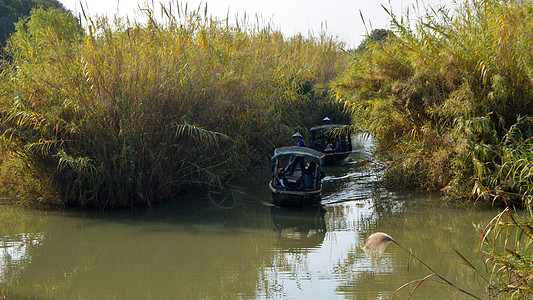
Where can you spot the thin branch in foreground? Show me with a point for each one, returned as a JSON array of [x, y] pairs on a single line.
[[377, 242]]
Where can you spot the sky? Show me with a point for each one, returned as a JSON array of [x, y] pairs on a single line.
[[338, 18]]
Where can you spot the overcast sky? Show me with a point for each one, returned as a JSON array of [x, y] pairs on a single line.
[[340, 18]]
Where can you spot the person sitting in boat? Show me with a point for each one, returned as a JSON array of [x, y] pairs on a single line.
[[319, 144], [289, 170], [337, 147], [312, 166], [307, 180], [326, 121], [281, 180]]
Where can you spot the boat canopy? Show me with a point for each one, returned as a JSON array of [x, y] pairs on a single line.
[[327, 126], [295, 150]]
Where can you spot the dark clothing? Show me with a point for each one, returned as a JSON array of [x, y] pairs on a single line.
[[289, 170], [337, 147], [307, 180], [301, 143], [317, 145], [296, 159]]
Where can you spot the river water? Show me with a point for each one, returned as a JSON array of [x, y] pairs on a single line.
[[248, 249]]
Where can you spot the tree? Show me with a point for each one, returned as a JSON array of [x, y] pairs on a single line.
[[12, 10], [53, 26], [377, 35]]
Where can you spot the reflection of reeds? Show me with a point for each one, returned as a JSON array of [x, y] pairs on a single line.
[[377, 242]]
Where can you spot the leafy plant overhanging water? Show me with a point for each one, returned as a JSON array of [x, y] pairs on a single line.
[[450, 99], [125, 113]]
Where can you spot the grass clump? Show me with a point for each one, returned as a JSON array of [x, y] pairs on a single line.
[[125, 113], [506, 245]]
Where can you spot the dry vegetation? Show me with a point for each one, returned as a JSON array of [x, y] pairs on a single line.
[[125, 113], [450, 99]]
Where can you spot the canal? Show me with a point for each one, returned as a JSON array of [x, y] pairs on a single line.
[[246, 249]]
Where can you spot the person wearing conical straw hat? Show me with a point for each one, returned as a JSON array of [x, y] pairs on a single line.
[[299, 140], [296, 159], [326, 120]]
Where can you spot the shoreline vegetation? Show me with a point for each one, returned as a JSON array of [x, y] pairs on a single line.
[[449, 98], [123, 114]]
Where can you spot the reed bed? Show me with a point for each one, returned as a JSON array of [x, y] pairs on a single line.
[[124, 113], [450, 98], [438, 90]]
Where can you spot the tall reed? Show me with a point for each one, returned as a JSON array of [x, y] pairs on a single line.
[[450, 97], [506, 246], [124, 113], [420, 91]]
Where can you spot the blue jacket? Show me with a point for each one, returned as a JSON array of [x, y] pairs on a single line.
[[301, 143]]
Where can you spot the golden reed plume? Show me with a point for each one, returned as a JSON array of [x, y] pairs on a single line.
[[377, 243]]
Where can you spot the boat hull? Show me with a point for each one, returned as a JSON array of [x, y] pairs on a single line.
[[335, 157], [283, 198]]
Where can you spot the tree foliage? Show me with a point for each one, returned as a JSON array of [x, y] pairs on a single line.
[[12, 10], [376, 36]]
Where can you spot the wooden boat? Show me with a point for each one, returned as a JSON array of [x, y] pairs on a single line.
[[331, 140], [291, 194]]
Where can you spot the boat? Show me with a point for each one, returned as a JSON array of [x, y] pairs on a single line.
[[288, 172], [330, 140]]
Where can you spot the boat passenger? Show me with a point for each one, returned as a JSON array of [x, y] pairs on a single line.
[[337, 147], [307, 180], [326, 121], [296, 159], [319, 144], [281, 180]]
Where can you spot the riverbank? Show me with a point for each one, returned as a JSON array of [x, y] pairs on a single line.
[[122, 115], [449, 102], [6, 201], [449, 98]]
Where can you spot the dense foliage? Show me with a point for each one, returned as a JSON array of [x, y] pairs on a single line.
[[376, 36], [441, 90], [450, 99], [12, 10], [124, 114]]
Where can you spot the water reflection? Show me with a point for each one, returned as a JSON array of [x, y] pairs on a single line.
[[14, 254], [195, 250], [299, 230]]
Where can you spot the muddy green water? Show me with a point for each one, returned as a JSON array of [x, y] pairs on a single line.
[[195, 250]]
